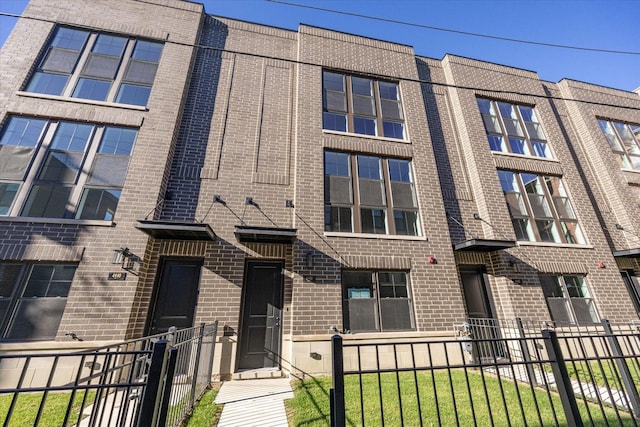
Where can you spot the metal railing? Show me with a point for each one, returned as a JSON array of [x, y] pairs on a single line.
[[151, 381], [544, 379]]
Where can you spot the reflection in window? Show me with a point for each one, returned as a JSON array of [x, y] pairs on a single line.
[[624, 140], [569, 300]]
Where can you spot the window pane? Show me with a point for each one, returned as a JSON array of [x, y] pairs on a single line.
[[512, 127], [496, 143], [540, 206], [60, 60], [14, 161], [335, 101], [364, 126], [337, 189], [399, 170], [22, 132], [374, 221], [109, 45], [540, 149], [395, 314], [98, 204], [572, 232], [491, 124], [9, 275], [406, 223], [522, 227], [485, 106], [109, 170], [336, 163], [8, 192], [333, 81], [361, 86], [117, 141], [393, 130], [548, 231], [133, 94], [403, 195], [368, 167], [338, 219], [372, 192], [71, 137], [36, 319], [69, 38], [147, 51], [609, 133], [95, 90], [101, 66], [534, 130], [334, 122], [47, 201], [515, 204], [61, 167], [519, 146], [364, 105], [47, 83], [388, 91], [391, 109], [140, 72]]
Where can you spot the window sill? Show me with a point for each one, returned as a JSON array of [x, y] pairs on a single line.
[[630, 170], [555, 245], [360, 135], [67, 221], [523, 156], [374, 236], [82, 101], [375, 336]]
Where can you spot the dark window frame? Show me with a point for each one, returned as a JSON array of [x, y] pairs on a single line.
[[375, 301], [529, 141], [564, 222], [92, 168], [357, 207], [80, 71], [12, 327], [353, 118]]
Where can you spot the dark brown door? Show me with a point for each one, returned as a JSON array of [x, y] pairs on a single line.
[[475, 293], [260, 333], [176, 294]]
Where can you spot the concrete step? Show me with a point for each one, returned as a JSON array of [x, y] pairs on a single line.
[[258, 374]]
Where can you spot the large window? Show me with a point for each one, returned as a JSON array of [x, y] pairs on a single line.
[[368, 194], [61, 169], [569, 300], [97, 66], [361, 105], [540, 208], [513, 128], [624, 140], [32, 299], [376, 301]]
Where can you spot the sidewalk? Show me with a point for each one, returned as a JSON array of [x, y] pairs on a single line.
[[254, 402]]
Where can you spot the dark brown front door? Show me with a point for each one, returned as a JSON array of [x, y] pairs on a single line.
[[176, 294], [475, 293], [260, 333]]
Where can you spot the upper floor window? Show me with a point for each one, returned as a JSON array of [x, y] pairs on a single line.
[[513, 128], [624, 140], [368, 194], [62, 169], [32, 299], [376, 301], [97, 66], [540, 208], [569, 300], [361, 105]]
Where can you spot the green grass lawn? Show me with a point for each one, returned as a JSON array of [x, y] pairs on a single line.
[[443, 400], [206, 413], [55, 406]]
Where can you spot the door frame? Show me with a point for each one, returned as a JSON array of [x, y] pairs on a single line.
[[243, 303], [156, 288]]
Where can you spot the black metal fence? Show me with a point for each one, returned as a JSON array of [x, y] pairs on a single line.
[[152, 381], [588, 377]]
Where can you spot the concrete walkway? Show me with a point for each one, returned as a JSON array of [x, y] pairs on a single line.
[[254, 402]]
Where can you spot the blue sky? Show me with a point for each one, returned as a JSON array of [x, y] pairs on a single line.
[[598, 24]]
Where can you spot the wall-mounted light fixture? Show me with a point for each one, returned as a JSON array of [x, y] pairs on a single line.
[[309, 259], [127, 260], [433, 260]]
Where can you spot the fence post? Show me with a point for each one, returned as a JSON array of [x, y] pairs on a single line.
[[337, 390], [168, 385], [525, 353], [196, 367], [214, 338], [154, 377], [623, 368], [561, 376]]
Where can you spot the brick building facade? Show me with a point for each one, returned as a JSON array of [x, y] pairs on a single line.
[[291, 184]]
